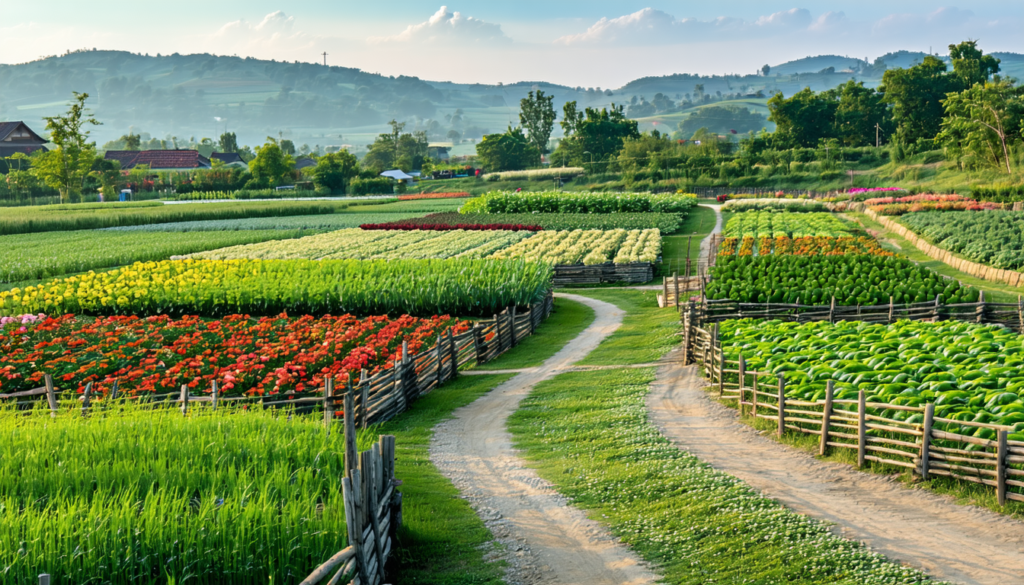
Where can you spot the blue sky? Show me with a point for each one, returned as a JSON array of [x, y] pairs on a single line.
[[588, 43]]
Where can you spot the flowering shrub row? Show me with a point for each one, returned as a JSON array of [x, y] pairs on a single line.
[[802, 246], [915, 199], [268, 356], [875, 190], [444, 227]]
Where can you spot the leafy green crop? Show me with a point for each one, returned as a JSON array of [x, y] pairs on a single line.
[[667, 223], [853, 280], [319, 222], [563, 202], [995, 238], [971, 372]]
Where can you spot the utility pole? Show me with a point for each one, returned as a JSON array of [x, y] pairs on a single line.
[[325, 58], [878, 142]]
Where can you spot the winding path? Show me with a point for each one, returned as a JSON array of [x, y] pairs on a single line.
[[964, 544], [547, 540]]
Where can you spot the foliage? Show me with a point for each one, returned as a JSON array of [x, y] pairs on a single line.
[[983, 123], [773, 224], [802, 119], [511, 151], [334, 170], [212, 497], [48, 218], [417, 196], [396, 149], [47, 254], [535, 174], [970, 371], [228, 142], [667, 223], [723, 120], [926, 202], [786, 205], [65, 167], [244, 194], [588, 247], [852, 280], [999, 193], [447, 227], [321, 223], [971, 65], [229, 179], [592, 134], [562, 202], [378, 186], [254, 357], [272, 166], [537, 117], [995, 238], [271, 287]]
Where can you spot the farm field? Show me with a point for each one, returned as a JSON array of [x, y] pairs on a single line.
[[563, 202], [666, 223], [318, 222], [995, 238]]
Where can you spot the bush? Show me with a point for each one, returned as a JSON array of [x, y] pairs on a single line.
[[1003, 193], [377, 186]]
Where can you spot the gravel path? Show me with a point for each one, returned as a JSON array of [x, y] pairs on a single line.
[[964, 544], [546, 539]]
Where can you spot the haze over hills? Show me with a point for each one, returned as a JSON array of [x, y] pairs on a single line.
[[201, 95]]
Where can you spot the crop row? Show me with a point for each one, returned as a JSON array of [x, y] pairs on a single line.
[[667, 223], [320, 223], [48, 218], [140, 496], [48, 254], [271, 287], [587, 247], [852, 280], [773, 205], [562, 202], [791, 225], [805, 246], [971, 372], [447, 227], [926, 202], [995, 237], [266, 356], [374, 244]]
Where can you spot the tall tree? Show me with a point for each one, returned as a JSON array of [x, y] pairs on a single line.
[[595, 135], [804, 119], [511, 151], [271, 167], [228, 142], [65, 167], [383, 153], [858, 111], [916, 96], [982, 124], [333, 171], [971, 65], [537, 116]]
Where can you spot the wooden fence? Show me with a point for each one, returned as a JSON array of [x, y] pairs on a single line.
[[909, 437], [988, 273], [376, 398], [571, 275]]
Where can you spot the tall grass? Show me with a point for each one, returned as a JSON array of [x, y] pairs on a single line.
[[47, 218], [130, 495]]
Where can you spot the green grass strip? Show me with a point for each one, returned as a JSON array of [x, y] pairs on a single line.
[[646, 334], [442, 541], [587, 433], [567, 321], [699, 222]]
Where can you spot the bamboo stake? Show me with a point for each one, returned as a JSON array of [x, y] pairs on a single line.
[[826, 417], [862, 428], [743, 369], [351, 453], [753, 407], [1001, 468], [926, 438], [721, 370], [364, 399], [782, 404], [675, 281]]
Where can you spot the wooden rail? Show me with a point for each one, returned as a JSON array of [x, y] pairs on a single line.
[[571, 275], [877, 432]]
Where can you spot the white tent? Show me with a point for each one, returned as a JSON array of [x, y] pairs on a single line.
[[396, 175]]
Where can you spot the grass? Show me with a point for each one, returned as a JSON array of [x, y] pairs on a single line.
[[698, 223], [994, 291], [646, 333], [442, 541], [414, 206], [588, 434], [567, 321]]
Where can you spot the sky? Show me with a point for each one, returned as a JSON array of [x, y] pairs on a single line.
[[591, 43]]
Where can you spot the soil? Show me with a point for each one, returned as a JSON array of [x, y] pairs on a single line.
[[925, 530], [545, 539]]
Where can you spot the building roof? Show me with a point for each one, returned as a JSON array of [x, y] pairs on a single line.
[[227, 157], [19, 132], [159, 160], [396, 174], [304, 162]]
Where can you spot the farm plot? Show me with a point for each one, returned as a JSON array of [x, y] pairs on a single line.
[[213, 497], [320, 223], [995, 238], [802, 234], [386, 245], [254, 357], [852, 280], [44, 255], [271, 287], [562, 202], [971, 372], [666, 223], [588, 247]]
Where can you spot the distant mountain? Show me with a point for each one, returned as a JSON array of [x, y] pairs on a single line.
[[819, 63]]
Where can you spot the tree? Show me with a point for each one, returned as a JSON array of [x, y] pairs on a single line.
[[132, 141], [511, 151], [537, 116], [228, 142], [859, 109], [65, 167], [982, 123], [970, 65], [271, 167], [804, 119], [765, 70], [722, 119], [333, 171], [594, 135], [916, 96], [288, 147], [108, 173], [383, 153]]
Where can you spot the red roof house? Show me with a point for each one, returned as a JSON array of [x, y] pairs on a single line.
[[160, 160]]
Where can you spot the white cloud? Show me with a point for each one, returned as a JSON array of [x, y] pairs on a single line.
[[830, 21], [447, 27], [792, 18]]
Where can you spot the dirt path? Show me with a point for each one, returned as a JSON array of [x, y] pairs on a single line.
[[705, 244], [548, 541], [964, 544]]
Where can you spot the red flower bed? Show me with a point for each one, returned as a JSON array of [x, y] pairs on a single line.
[[443, 227], [266, 356], [415, 196]]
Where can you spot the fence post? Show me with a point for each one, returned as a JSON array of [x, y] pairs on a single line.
[[454, 352], [44, 579], [1020, 314], [862, 428], [753, 401], [743, 370], [936, 309], [981, 307], [213, 395], [513, 327], [686, 338], [351, 453], [782, 404], [328, 404], [368, 466], [721, 372], [364, 399], [832, 311], [926, 438], [891, 310], [184, 399], [664, 290], [51, 396], [689, 242], [437, 352], [351, 490], [826, 417], [113, 391], [86, 395], [1001, 468], [478, 344]]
